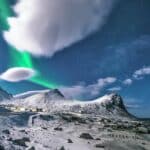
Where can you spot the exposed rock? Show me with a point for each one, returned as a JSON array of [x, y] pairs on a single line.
[[62, 148], [58, 129], [98, 139], [10, 139], [142, 130], [109, 130], [2, 147], [21, 142], [86, 136], [70, 141], [24, 131], [44, 128], [32, 148], [149, 130], [100, 145], [6, 131], [72, 117], [115, 103], [46, 117]]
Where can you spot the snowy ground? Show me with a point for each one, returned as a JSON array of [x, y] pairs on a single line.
[[102, 124], [71, 131]]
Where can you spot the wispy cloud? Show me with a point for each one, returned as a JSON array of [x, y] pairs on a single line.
[[115, 89], [87, 91], [92, 90], [128, 81], [139, 74]]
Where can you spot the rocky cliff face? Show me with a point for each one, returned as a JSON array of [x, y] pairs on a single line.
[[111, 105], [114, 103]]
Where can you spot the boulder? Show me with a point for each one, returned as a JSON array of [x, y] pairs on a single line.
[[86, 136], [142, 130]]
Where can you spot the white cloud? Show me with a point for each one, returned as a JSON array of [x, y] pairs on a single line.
[[128, 82], [87, 91], [132, 106], [132, 103], [115, 89], [17, 74], [139, 74], [43, 27]]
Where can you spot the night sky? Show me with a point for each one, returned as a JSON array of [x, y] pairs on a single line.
[[118, 49]]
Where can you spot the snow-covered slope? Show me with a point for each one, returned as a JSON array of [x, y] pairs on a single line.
[[111, 104], [111, 101], [29, 93], [4, 95], [54, 101], [44, 98], [103, 123], [39, 99]]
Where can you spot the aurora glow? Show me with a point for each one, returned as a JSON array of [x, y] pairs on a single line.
[[26, 60]]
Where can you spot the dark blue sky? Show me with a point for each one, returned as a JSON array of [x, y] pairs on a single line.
[[120, 48]]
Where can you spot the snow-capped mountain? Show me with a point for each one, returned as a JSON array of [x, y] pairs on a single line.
[[4, 95], [55, 101], [39, 99], [111, 104], [27, 94]]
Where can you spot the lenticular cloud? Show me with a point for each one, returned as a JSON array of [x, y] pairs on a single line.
[[43, 27], [17, 74]]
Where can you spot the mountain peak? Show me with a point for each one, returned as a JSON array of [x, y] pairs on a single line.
[[47, 92], [56, 93], [112, 100], [117, 100], [108, 104], [40, 99]]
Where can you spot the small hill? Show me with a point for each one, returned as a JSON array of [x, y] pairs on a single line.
[[4, 95]]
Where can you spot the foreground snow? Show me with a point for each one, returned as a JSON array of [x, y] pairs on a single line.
[[71, 125]]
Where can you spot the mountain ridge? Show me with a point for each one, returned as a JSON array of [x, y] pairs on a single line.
[[55, 101]]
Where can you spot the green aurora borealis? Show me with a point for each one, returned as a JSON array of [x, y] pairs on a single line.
[[20, 59]]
